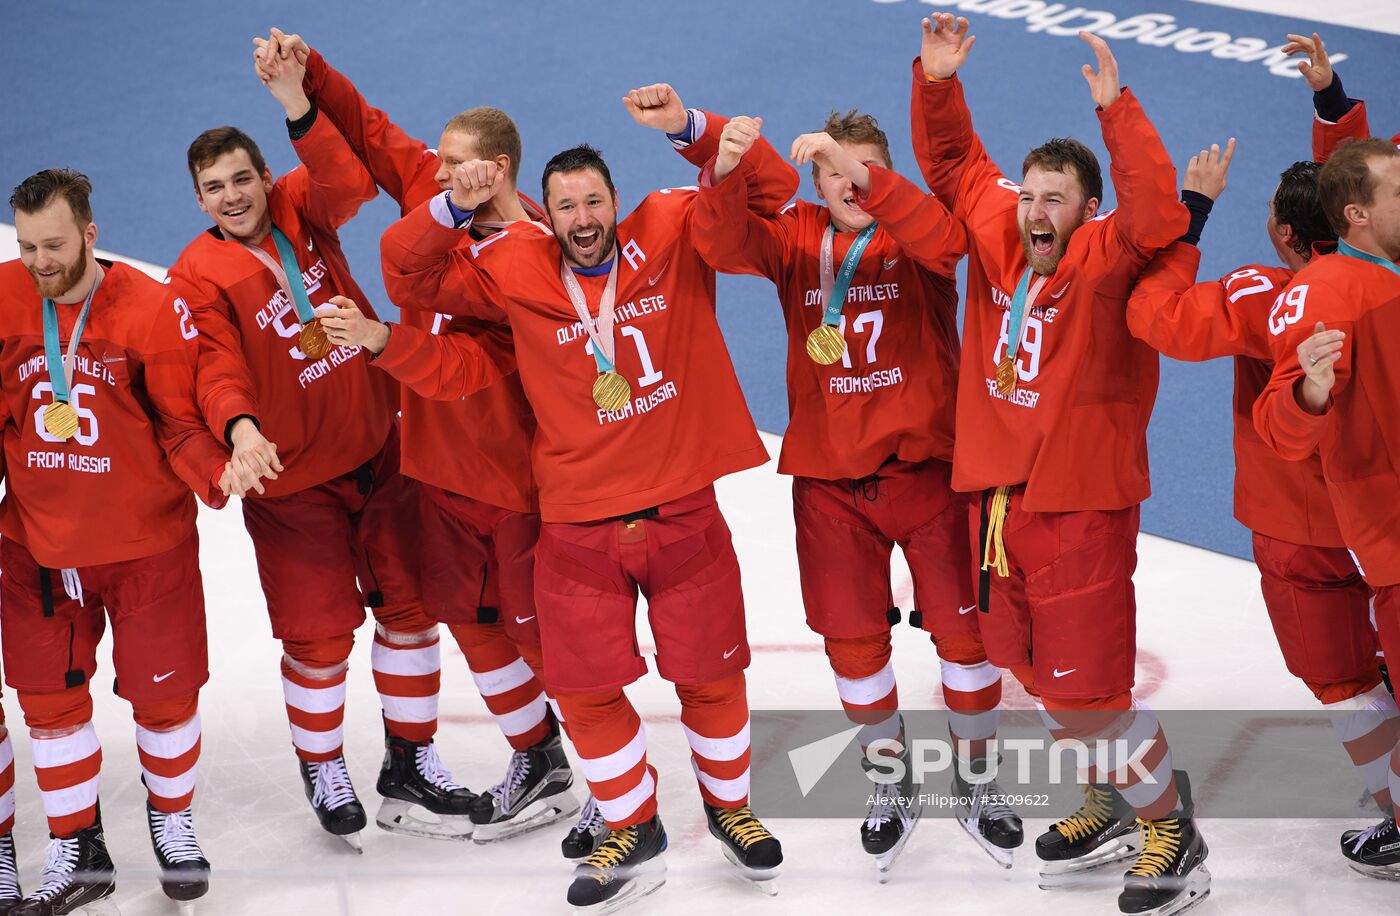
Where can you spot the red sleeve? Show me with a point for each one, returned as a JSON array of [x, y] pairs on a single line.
[[403, 166], [732, 237], [1326, 136], [461, 361], [223, 381], [1150, 214], [424, 266], [170, 355], [1193, 322], [1279, 418], [334, 183], [770, 181], [954, 163], [919, 222]]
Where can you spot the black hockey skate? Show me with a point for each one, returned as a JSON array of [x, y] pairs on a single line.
[[894, 813], [1170, 875], [747, 845], [1375, 851], [625, 868], [333, 799], [77, 878], [534, 793], [184, 871], [10, 893], [587, 834], [984, 814], [420, 798], [1102, 832]]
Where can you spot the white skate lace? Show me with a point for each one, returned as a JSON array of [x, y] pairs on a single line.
[[590, 820], [9, 872], [430, 768], [174, 834], [885, 806], [1371, 833], [60, 861], [332, 788], [517, 771]]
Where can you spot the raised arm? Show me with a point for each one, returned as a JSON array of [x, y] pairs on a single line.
[[727, 224], [949, 153], [334, 184], [1337, 117], [401, 165]]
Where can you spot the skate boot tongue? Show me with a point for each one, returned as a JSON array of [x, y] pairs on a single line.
[[1161, 841], [431, 769], [1092, 815], [517, 771]]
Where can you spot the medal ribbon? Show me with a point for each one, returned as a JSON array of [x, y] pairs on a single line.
[[61, 365], [599, 330], [1353, 252], [284, 273], [834, 285], [1026, 292]]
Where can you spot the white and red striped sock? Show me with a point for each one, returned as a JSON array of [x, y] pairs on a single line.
[[1369, 726], [67, 762], [972, 694], [715, 717], [612, 749], [873, 703], [315, 708], [7, 780], [408, 675], [170, 764], [508, 686]]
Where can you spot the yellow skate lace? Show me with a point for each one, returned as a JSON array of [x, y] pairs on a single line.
[[1160, 842], [1091, 816], [741, 826], [618, 845]]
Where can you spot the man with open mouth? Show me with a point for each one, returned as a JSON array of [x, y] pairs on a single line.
[[1053, 405]]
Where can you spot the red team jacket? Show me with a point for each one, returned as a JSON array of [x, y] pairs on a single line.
[[893, 392], [326, 416], [1074, 431], [687, 423], [120, 488], [1355, 436], [1193, 321], [467, 427]]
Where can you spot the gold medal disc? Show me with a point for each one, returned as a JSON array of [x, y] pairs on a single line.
[[1006, 376], [313, 341], [611, 391], [60, 420], [825, 345]]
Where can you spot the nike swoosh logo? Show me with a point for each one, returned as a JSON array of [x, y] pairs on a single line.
[[526, 619], [891, 262], [310, 244], [967, 610], [1062, 291], [732, 651], [1058, 673], [653, 280], [160, 677]]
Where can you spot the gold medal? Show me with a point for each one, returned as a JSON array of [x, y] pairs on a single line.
[[313, 341], [1006, 376], [825, 345], [611, 391], [60, 420]]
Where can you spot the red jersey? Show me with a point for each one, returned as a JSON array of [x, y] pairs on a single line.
[[1354, 125], [327, 416], [1190, 321], [1355, 434], [686, 422], [1074, 430], [893, 391], [119, 489]]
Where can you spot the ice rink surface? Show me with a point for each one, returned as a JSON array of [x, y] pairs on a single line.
[[1204, 643]]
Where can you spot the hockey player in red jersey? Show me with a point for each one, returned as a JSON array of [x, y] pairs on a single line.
[[1318, 603], [870, 440], [337, 529], [1053, 404], [639, 411], [466, 440], [1333, 391], [103, 444]]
